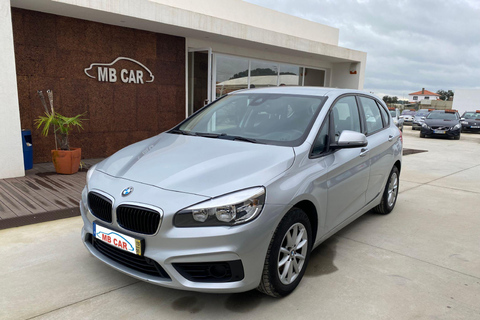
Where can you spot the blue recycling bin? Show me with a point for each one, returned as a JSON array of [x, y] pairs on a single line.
[[27, 149]]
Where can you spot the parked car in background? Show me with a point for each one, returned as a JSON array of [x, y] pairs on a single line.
[[444, 123], [470, 121], [407, 116], [236, 202], [419, 118], [397, 120]]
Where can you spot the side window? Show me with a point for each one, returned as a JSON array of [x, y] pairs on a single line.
[[321, 142], [386, 118], [373, 117], [345, 116]]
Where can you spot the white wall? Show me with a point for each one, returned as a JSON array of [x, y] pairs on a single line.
[[260, 17], [11, 153], [466, 100], [342, 78], [410, 98]]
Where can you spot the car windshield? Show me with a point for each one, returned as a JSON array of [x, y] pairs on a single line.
[[421, 113], [471, 115], [442, 115], [393, 113], [277, 119]]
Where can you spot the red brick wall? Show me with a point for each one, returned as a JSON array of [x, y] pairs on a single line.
[[51, 52]]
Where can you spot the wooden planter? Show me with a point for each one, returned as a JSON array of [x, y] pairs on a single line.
[[67, 161]]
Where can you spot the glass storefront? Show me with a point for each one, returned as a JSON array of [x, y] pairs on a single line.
[[231, 74]]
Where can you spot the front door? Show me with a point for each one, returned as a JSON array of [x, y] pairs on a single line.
[[199, 79], [348, 169]]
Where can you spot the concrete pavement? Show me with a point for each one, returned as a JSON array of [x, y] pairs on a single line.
[[420, 262]]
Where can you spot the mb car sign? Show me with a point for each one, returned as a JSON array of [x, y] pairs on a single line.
[[106, 72]]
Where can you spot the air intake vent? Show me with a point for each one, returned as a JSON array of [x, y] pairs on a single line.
[[225, 271], [100, 206], [138, 219], [129, 260]]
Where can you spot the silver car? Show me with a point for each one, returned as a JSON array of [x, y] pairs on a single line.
[[237, 196]]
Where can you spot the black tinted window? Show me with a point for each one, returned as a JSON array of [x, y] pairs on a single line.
[[321, 142]]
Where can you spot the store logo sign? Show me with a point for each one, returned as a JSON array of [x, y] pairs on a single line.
[[106, 72]]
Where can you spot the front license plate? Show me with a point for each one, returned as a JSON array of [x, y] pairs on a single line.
[[439, 131], [117, 239], [475, 127]]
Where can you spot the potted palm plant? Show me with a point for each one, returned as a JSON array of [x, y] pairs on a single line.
[[65, 159]]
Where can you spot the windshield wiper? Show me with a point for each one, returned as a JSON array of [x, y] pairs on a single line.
[[240, 138], [210, 135], [187, 133]]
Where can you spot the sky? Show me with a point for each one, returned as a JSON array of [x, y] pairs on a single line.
[[410, 44]]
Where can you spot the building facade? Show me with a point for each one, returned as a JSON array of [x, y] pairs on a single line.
[[138, 67], [422, 95]]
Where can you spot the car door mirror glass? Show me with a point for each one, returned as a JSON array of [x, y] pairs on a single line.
[[351, 139]]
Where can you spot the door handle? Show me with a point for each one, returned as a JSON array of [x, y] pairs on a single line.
[[390, 138], [364, 152]]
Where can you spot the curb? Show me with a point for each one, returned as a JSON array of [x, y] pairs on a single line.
[[40, 217]]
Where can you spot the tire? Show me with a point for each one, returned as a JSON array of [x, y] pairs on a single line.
[[422, 135], [272, 282], [391, 188], [457, 138], [413, 128]]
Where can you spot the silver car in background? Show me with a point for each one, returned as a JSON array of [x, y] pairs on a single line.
[[237, 196]]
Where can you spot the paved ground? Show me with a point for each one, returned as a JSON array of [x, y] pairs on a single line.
[[420, 262]]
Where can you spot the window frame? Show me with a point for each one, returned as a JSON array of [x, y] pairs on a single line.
[[329, 118], [364, 119]]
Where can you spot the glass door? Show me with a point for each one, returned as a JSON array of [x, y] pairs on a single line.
[[199, 78]]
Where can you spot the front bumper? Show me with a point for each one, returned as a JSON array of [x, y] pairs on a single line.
[[468, 127], [171, 246], [448, 133]]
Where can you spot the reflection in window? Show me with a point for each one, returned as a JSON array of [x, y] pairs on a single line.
[[263, 74], [232, 74], [290, 75]]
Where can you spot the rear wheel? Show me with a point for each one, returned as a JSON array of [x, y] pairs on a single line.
[[287, 255], [389, 197]]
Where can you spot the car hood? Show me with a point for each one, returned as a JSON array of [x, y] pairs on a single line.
[[198, 165], [472, 121], [441, 122]]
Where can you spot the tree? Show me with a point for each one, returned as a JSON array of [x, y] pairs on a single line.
[[445, 95], [389, 99]]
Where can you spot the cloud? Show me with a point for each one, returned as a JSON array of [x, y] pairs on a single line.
[[410, 44]]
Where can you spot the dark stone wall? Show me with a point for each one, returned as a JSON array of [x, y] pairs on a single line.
[[51, 52]]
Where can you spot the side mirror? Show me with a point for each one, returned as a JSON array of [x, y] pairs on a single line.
[[350, 139]]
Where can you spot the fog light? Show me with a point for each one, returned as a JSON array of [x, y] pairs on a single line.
[[218, 271]]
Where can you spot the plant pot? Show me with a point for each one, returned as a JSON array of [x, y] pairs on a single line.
[[67, 161]]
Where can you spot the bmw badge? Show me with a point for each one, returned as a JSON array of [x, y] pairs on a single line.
[[127, 191]]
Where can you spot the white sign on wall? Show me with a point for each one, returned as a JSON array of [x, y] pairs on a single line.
[[106, 72]]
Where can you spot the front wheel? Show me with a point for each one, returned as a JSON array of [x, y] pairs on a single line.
[[288, 255], [422, 135], [389, 197], [457, 138]]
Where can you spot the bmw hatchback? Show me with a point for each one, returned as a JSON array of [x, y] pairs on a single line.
[[237, 196]]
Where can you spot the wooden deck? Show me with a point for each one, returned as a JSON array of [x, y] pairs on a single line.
[[41, 195]]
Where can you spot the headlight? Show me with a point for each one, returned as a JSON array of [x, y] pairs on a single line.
[[424, 125], [228, 210], [457, 126], [464, 122], [90, 172]]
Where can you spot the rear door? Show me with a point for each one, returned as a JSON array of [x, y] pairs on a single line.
[[381, 138]]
